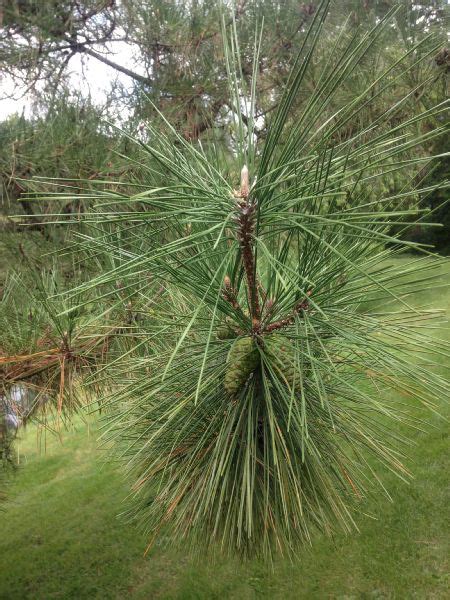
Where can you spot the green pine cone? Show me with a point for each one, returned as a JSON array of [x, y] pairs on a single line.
[[243, 358], [281, 351]]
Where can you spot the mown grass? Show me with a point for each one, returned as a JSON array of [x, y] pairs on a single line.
[[60, 536]]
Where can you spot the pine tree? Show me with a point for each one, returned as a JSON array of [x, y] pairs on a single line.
[[267, 382], [255, 395]]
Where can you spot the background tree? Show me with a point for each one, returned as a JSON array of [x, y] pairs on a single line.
[[175, 64], [177, 48]]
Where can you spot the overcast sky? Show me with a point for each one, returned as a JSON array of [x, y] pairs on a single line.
[[86, 74]]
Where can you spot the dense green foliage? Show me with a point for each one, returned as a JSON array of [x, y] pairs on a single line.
[[70, 141]]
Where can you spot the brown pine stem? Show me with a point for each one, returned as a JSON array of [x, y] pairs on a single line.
[[246, 226], [245, 219]]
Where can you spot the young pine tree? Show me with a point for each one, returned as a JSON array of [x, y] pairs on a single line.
[[276, 352]]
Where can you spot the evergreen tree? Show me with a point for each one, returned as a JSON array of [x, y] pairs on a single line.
[[256, 333], [261, 398]]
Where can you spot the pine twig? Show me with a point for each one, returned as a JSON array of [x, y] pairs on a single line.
[[301, 306], [246, 226]]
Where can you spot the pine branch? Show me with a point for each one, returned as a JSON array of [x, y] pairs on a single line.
[[246, 213], [303, 305], [81, 48]]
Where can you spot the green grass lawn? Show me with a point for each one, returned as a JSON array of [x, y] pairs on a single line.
[[60, 536]]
